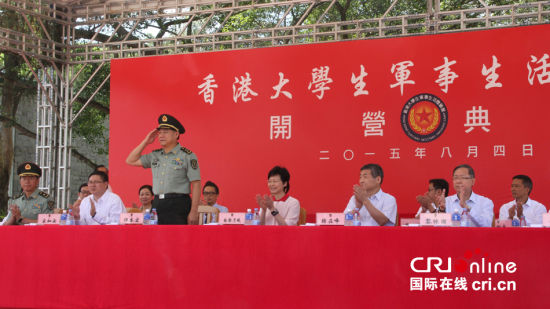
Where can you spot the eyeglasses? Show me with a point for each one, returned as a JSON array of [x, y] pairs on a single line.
[[95, 182], [462, 177], [209, 193]]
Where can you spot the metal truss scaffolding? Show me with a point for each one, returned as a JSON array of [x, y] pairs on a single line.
[[59, 39]]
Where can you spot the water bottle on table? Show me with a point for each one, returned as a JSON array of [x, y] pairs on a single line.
[[456, 218], [63, 220], [147, 217], [248, 217], [70, 218], [348, 218], [256, 220], [154, 217], [465, 219]]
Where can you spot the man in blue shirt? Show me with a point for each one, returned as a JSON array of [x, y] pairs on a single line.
[[478, 209]]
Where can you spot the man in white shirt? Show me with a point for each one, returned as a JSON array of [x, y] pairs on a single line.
[[102, 206], [437, 189], [477, 208], [522, 205], [104, 169], [374, 207]]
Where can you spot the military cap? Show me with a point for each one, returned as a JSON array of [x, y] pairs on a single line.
[[29, 169], [170, 122]]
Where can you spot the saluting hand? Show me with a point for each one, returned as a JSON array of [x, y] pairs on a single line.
[[150, 138]]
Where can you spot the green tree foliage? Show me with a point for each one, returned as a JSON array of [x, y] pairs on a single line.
[[90, 123]]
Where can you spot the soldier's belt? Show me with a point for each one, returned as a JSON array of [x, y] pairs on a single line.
[[170, 195]]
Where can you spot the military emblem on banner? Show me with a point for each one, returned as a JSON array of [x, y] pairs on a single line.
[[424, 118]]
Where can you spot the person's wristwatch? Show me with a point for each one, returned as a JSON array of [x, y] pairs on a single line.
[[274, 213], [20, 220]]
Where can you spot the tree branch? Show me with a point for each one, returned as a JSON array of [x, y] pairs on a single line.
[[88, 34], [94, 104]]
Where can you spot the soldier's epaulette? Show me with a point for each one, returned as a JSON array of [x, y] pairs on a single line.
[[187, 151], [18, 196], [157, 150], [43, 194]]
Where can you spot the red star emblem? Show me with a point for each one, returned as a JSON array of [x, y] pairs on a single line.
[[424, 116]]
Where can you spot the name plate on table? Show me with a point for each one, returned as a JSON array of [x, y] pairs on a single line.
[[46, 219], [329, 218], [410, 221], [435, 219], [131, 218], [231, 217], [546, 220], [503, 223]]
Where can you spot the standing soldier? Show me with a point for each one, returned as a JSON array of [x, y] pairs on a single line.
[[25, 207], [175, 170]]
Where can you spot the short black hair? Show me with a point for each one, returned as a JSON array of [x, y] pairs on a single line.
[[375, 170], [440, 184], [526, 180], [148, 187], [211, 184], [283, 173], [466, 166], [103, 176], [82, 186]]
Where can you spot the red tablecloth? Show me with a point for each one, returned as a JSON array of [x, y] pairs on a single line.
[[265, 267]]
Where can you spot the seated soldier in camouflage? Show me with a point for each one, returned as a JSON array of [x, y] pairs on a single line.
[[25, 207]]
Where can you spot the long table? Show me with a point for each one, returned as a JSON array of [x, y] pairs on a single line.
[[272, 267]]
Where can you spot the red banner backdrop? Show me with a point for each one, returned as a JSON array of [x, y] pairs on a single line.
[[416, 105]]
